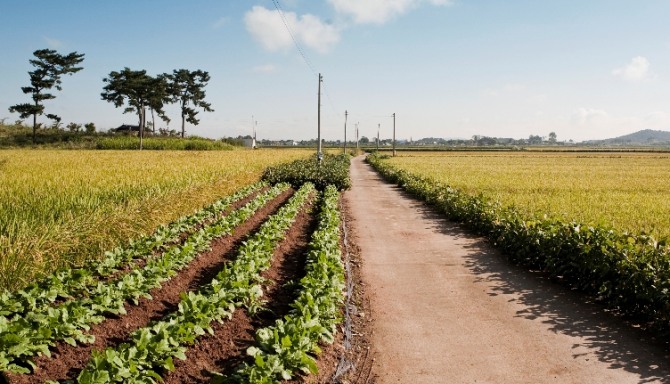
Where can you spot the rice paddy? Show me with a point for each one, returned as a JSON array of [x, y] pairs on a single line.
[[626, 191], [63, 207]]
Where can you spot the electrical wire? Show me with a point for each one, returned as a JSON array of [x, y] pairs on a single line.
[[305, 58], [288, 29]]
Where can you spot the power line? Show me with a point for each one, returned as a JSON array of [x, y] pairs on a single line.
[[302, 53], [304, 56]]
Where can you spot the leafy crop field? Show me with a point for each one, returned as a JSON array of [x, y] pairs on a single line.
[[247, 289], [626, 191], [66, 207]]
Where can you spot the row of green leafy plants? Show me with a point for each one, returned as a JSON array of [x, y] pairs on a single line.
[[288, 347], [629, 273], [66, 283], [151, 350], [283, 350], [62, 307], [37, 329]]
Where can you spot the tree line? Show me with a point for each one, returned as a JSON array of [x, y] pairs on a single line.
[[134, 90]]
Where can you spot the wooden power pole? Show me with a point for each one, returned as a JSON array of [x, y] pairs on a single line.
[[345, 131], [356, 138]]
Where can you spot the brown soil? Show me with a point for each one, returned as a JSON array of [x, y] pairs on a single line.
[[348, 359], [430, 303], [226, 349], [67, 361], [139, 263]]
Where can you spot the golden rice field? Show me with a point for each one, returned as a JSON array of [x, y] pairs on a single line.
[[627, 191], [62, 207]]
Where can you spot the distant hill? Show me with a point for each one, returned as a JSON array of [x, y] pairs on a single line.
[[644, 137]]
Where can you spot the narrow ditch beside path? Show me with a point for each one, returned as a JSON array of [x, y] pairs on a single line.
[[447, 308]]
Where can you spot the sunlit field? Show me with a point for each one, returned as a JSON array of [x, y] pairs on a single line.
[[627, 191], [63, 207]]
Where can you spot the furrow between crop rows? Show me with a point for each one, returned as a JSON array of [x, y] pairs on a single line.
[[225, 348], [67, 360], [195, 297], [193, 226], [37, 331], [68, 283], [287, 347], [151, 350]]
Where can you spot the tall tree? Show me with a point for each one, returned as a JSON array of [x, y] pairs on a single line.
[[159, 98], [534, 139], [188, 89], [50, 66], [552, 137], [137, 91]]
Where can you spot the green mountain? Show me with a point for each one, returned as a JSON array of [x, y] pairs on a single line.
[[643, 137]]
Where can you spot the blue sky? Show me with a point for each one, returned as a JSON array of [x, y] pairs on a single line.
[[453, 69]]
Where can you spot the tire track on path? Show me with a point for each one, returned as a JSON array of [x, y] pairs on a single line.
[[447, 308]]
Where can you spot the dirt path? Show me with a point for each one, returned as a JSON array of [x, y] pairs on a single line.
[[448, 309]]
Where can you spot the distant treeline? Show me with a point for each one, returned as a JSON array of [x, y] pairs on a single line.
[[20, 136]]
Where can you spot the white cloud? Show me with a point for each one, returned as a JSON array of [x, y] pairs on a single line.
[[589, 116], [267, 27], [53, 43], [636, 70], [379, 11], [266, 68]]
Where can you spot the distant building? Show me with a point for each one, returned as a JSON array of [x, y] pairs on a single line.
[[249, 143], [126, 128]]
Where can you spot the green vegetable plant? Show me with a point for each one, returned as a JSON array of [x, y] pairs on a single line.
[[152, 350], [67, 283], [332, 170], [33, 333], [288, 347]]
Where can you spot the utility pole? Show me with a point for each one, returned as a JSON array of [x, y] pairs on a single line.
[[394, 134], [254, 143], [319, 154], [253, 132], [356, 138], [378, 126], [345, 131]]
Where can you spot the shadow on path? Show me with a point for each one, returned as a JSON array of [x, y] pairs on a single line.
[[561, 310]]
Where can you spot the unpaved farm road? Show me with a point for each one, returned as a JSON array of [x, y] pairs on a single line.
[[447, 308]]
